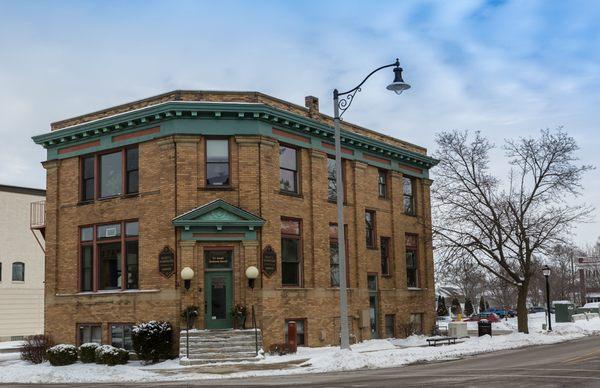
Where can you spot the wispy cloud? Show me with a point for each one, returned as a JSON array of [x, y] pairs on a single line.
[[508, 68]]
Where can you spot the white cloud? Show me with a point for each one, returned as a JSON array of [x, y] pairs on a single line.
[[508, 69]]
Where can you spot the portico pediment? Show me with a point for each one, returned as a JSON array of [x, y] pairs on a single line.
[[217, 217]]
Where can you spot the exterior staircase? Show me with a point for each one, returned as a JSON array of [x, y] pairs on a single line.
[[207, 346]]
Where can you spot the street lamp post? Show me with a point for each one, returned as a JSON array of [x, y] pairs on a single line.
[[339, 107], [546, 272], [252, 273], [187, 274]]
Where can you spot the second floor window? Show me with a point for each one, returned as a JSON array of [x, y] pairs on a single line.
[[412, 262], [217, 162], [370, 228], [385, 255], [409, 197], [331, 180], [382, 183], [334, 256], [288, 169], [109, 257], [18, 272], [291, 252], [117, 173]]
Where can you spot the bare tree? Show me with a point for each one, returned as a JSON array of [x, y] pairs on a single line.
[[502, 226], [463, 273]]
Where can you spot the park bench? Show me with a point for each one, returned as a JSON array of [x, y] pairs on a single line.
[[433, 341]]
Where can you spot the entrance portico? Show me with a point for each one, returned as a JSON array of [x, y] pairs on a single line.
[[218, 241]]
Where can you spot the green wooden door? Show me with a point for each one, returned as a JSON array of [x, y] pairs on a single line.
[[218, 299]]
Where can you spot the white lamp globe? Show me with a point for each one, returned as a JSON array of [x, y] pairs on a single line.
[[187, 273], [252, 272]]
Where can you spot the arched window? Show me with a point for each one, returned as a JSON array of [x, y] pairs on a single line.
[[18, 271]]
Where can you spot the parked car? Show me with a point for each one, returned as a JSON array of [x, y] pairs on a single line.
[[502, 313], [491, 317]]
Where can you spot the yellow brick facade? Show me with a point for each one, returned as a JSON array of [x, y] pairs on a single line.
[[172, 182]]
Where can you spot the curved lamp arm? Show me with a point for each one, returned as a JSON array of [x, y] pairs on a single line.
[[345, 102]]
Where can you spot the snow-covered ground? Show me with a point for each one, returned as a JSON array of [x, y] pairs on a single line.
[[368, 354]]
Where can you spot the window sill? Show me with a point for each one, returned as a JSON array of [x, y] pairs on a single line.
[[290, 194], [122, 196], [216, 188], [293, 288], [17, 281], [414, 288], [372, 248], [110, 292]]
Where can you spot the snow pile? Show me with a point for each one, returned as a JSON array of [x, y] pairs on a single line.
[[368, 354]]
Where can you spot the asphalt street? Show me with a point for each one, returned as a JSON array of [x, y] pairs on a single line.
[[569, 364]]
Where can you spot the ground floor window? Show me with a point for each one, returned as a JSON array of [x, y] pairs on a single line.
[[109, 257], [300, 337], [390, 324], [90, 333], [120, 336], [416, 323]]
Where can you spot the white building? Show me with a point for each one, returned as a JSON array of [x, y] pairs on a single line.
[[21, 262]]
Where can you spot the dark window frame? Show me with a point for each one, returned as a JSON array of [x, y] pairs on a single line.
[[95, 243], [206, 163], [304, 331], [371, 233], [414, 249], [79, 326], [382, 185], [110, 333], [387, 252], [300, 262], [385, 322], [296, 172], [96, 178], [420, 329], [335, 240], [18, 264], [412, 211], [331, 199]]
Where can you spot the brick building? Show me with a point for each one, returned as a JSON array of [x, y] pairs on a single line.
[[589, 279], [219, 181]]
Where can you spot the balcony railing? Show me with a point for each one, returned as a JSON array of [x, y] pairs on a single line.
[[37, 215]]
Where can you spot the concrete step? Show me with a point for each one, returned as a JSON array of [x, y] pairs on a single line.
[[195, 342], [219, 355], [198, 361], [208, 346], [216, 349]]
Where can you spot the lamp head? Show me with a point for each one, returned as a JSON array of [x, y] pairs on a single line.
[[398, 85], [546, 271], [251, 273], [187, 274]]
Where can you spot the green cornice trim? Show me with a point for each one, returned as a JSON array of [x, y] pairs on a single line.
[[181, 110]]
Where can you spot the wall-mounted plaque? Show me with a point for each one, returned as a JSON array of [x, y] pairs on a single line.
[[166, 262], [269, 261]]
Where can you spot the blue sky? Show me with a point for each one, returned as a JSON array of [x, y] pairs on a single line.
[[507, 68]]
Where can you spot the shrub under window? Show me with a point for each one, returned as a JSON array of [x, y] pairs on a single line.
[[109, 355], [62, 355]]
